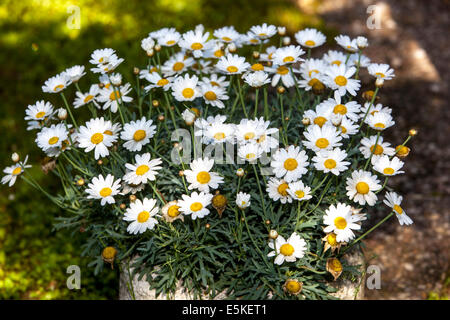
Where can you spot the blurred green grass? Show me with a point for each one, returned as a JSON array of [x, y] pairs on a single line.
[[35, 44]]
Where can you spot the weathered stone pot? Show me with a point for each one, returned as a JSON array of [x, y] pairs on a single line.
[[347, 290]]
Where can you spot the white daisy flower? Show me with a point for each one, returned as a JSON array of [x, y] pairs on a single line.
[[341, 221], [320, 116], [381, 71], [232, 64], [334, 58], [361, 186], [200, 176], [215, 80], [247, 131], [101, 56], [52, 138], [110, 66], [171, 211], [374, 109], [287, 55], [85, 98], [143, 170], [381, 148], [137, 134], [218, 133], [325, 138], [362, 42], [284, 74], [111, 97], [185, 88], [148, 70], [299, 191], [339, 78], [353, 59], [57, 83], [177, 64], [243, 200], [347, 43], [264, 31], [104, 189], [142, 215], [168, 37], [393, 200], [214, 95], [348, 128], [256, 79], [388, 167], [196, 41], [289, 164], [331, 161], [188, 116], [350, 109], [195, 204], [278, 190], [287, 250], [380, 121], [96, 135], [312, 72], [147, 44], [268, 54], [75, 73], [12, 172], [40, 111], [157, 81], [249, 152], [310, 38], [227, 35]]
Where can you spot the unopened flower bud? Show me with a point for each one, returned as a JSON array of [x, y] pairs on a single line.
[[240, 172], [109, 254], [116, 79], [157, 47], [362, 42], [256, 54], [273, 234], [379, 82], [306, 121], [123, 206], [232, 47], [281, 31], [161, 117], [15, 157], [80, 182], [62, 114], [286, 41], [155, 103], [100, 162], [136, 70], [412, 132], [150, 53], [181, 173], [281, 89], [267, 222], [132, 198], [207, 226]]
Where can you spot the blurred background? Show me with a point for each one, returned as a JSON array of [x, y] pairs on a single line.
[[411, 36]]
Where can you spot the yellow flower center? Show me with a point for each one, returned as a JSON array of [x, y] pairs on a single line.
[[293, 286], [402, 150], [376, 150], [215, 84], [114, 95], [286, 249], [142, 169], [288, 59], [108, 132], [336, 62], [17, 171], [257, 67], [340, 80], [249, 135], [313, 71], [139, 135], [380, 74], [59, 86], [300, 194], [162, 82], [379, 125], [335, 265], [170, 42], [232, 69], [290, 164], [282, 189], [398, 209], [362, 187], [196, 46], [322, 143], [203, 177], [53, 141], [187, 93], [105, 192], [143, 216], [283, 70], [261, 138], [40, 115], [310, 43], [88, 98], [218, 53], [340, 108], [320, 121], [173, 211], [226, 39], [343, 129], [388, 171], [219, 136], [210, 95], [340, 223], [109, 253], [262, 34], [330, 164], [331, 239], [196, 206], [177, 66], [97, 138], [250, 156]]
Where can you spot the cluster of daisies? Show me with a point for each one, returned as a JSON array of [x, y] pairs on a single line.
[[204, 69]]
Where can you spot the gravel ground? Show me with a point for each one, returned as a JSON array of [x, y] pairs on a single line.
[[413, 38]]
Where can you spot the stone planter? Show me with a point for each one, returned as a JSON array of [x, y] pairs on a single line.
[[347, 290]]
